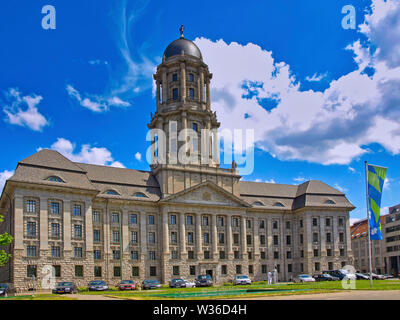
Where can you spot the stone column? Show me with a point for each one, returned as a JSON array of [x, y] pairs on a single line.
[[125, 232], [256, 238], [322, 240], [229, 234], [182, 229], [164, 86], [19, 222], [67, 232], [335, 237], [348, 241], [243, 235], [88, 226], [165, 232], [158, 94], [143, 244], [208, 95], [44, 224], [201, 87], [198, 236], [183, 82], [216, 145], [214, 236]]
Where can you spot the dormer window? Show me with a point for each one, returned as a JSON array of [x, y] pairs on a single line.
[[329, 201], [175, 77], [55, 179], [140, 195], [258, 203], [112, 192], [278, 204]]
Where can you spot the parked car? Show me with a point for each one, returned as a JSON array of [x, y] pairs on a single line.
[[177, 283], [303, 278], [360, 276], [388, 276], [189, 284], [341, 274], [325, 277], [97, 285], [65, 287], [6, 289], [204, 281], [377, 276], [127, 285], [241, 280], [151, 284]]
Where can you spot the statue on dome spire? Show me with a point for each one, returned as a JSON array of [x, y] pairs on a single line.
[[181, 30]]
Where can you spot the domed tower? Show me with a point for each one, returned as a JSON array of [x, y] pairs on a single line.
[[185, 151]]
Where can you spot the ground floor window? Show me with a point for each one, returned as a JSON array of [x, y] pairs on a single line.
[[317, 266], [135, 271], [57, 271], [153, 271], [31, 270], [97, 271], [251, 269], [224, 269], [238, 269], [117, 271], [264, 268], [78, 271], [192, 270], [175, 270], [289, 268]]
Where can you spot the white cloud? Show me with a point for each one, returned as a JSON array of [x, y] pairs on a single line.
[[253, 91], [22, 110], [354, 220], [387, 183], [94, 102], [300, 179], [270, 181], [3, 178], [138, 156], [340, 188], [352, 170], [87, 154], [317, 77]]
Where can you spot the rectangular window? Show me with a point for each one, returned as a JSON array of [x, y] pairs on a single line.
[[173, 219], [174, 254], [250, 255], [31, 271], [206, 238], [262, 239], [251, 269], [341, 222], [135, 271], [235, 222], [31, 251], [341, 252], [191, 93], [288, 254], [224, 269], [133, 218], [315, 252], [328, 237], [117, 271], [175, 94], [264, 268], [315, 222], [116, 254], [97, 254], [115, 236], [205, 221], [190, 238], [341, 237], [222, 254], [191, 255], [238, 269], [55, 252], [275, 225], [31, 229], [289, 268], [31, 206], [151, 219], [55, 229], [78, 252], [174, 237], [301, 238], [276, 255], [134, 255], [96, 235], [263, 255], [206, 254], [77, 210], [134, 237], [328, 222], [288, 240], [236, 238], [96, 216], [79, 271], [189, 220], [191, 77], [317, 266], [301, 223], [248, 224], [152, 255], [192, 270], [97, 271], [329, 252], [54, 208], [220, 221], [248, 239], [152, 237], [236, 254], [315, 237], [262, 224], [221, 238], [175, 77], [77, 231], [175, 270], [153, 271], [115, 217], [288, 225], [276, 240]]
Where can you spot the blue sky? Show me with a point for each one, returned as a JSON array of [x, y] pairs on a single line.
[[85, 89]]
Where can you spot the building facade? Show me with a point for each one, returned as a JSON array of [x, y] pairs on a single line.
[[176, 220], [386, 252]]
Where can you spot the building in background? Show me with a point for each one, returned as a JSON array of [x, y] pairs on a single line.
[[385, 252], [176, 220]]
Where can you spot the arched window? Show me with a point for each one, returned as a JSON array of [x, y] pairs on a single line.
[[112, 192], [258, 203], [140, 195], [55, 179], [329, 201], [278, 204]]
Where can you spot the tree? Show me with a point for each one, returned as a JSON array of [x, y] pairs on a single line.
[[5, 240]]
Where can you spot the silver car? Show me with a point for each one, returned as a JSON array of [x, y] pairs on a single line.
[[303, 278], [241, 280]]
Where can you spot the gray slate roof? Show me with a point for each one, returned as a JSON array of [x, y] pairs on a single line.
[[126, 182]]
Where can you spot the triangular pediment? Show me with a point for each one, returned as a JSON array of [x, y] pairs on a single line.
[[206, 193]]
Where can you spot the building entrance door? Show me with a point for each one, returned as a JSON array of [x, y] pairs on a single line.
[[210, 272]]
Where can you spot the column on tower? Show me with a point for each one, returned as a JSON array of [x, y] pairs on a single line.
[[229, 234], [158, 95], [201, 87], [198, 235], [243, 235], [182, 232], [214, 236], [164, 85], [208, 95], [165, 232], [183, 81]]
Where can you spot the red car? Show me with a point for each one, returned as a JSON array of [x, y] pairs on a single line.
[[127, 285]]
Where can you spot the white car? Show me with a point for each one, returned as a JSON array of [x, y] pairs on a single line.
[[241, 280], [304, 278], [189, 284]]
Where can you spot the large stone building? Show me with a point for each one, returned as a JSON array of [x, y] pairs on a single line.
[[386, 252], [96, 222]]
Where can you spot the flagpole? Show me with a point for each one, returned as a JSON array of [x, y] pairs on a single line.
[[368, 218]]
